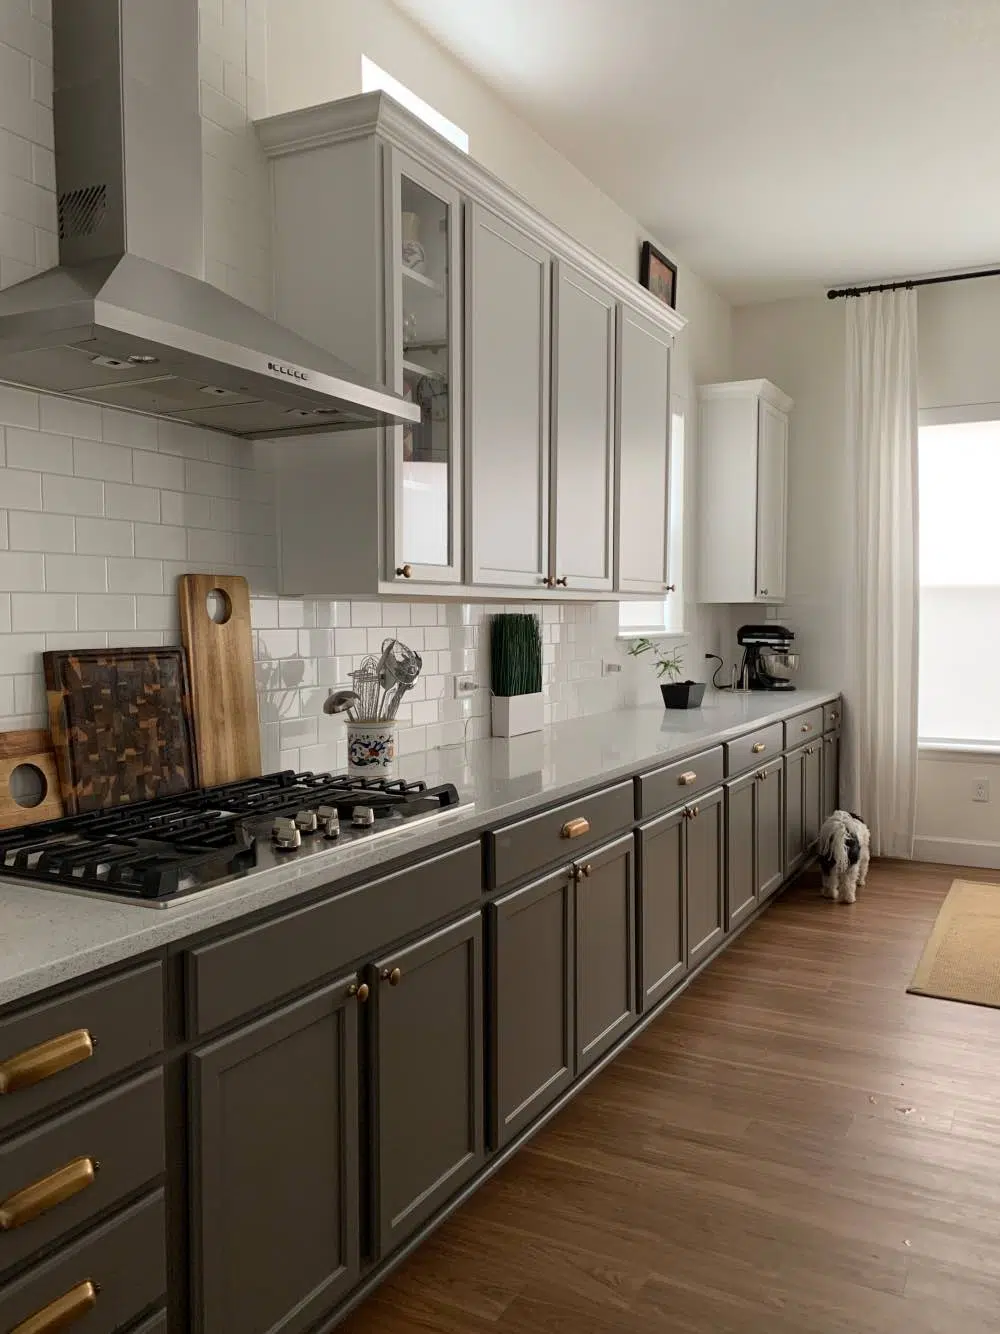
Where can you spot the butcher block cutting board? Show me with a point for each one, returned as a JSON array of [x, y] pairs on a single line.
[[223, 691], [34, 749], [121, 725]]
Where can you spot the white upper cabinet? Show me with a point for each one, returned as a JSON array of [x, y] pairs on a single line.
[[643, 430], [507, 353], [743, 491], [583, 431]]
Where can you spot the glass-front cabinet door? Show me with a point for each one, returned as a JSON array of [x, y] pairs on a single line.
[[423, 324]]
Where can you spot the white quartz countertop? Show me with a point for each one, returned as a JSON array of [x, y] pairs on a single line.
[[48, 937]]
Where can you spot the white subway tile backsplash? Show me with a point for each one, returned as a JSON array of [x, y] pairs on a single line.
[[207, 479], [20, 571], [4, 614], [159, 470], [128, 428], [42, 611], [70, 416], [366, 613], [72, 495], [103, 537], [132, 502], [6, 700], [185, 510], [41, 532], [38, 451], [173, 438], [76, 574], [111, 463], [107, 611], [157, 612], [211, 547], [20, 490], [160, 541], [29, 695], [20, 653], [134, 576]]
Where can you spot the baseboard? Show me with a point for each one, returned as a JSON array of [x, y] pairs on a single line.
[[957, 852]]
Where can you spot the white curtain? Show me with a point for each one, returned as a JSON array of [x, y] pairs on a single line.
[[882, 615]]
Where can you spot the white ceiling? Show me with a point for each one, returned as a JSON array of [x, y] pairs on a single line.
[[776, 145]]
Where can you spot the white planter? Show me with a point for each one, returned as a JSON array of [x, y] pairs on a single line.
[[371, 748], [513, 715], [517, 756]]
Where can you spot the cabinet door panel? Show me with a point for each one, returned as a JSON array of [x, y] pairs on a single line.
[[741, 877], [772, 464], [795, 810], [583, 359], [661, 908], [813, 793], [831, 773], [605, 950], [770, 851], [706, 906], [532, 1019], [643, 455], [507, 351], [427, 1054], [275, 1147]]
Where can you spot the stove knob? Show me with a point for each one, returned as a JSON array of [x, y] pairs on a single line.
[[363, 817], [306, 821], [285, 834], [329, 821]]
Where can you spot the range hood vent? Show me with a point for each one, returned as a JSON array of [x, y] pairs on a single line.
[[125, 319]]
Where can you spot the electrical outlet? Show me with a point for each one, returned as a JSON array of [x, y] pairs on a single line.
[[611, 668], [465, 685], [981, 789]]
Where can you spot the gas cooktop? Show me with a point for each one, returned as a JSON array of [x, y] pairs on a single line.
[[154, 852]]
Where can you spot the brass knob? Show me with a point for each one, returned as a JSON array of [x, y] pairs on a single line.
[[763, 592], [362, 992], [694, 812], [806, 727], [393, 977], [561, 583], [670, 588], [405, 571], [549, 581], [758, 747], [584, 870]]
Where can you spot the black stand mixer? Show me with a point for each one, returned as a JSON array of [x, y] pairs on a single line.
[[765, 648]]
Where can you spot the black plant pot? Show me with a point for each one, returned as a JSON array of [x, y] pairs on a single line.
[[683, 694]]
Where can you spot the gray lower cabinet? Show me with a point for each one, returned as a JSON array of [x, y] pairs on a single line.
[[531, 1038], [741, 849], [831, 773], [705, 876], [605, 949], [275, 1226], [427, 1072], [803, 803], [662, 914], [770, 829]]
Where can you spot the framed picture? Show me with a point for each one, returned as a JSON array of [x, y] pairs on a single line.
[[658, 275]]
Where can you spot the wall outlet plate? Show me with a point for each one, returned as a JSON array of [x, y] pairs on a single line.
[[465, 684], [981, 789]]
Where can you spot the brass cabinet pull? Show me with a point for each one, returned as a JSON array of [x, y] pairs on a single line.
[[48, 1058], [806, 727], [690, 812], [834, 716], [583, 871], [758, 748], [694, 812], [41, 1196], [63, 1312], [686, 779], [362, 992], [404, 571], [562, 583], [393, 977], [575, 828], [549, 581], [670, 588]]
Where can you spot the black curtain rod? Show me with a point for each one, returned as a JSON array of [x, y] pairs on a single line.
[[836, 292]]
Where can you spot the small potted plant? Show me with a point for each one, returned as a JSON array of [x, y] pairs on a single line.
[[518, 704], [669, 663]]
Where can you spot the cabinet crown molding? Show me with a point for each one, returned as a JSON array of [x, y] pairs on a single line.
[[378, 114], [764, 389]]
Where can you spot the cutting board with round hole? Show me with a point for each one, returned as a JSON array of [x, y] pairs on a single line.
[[215, 628], [29, 783]]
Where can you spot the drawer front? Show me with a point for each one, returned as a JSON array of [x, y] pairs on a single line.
[[832, 715], [753, 751], [235, 976], [560, 834], [75, 1166], [63, 1046], [802, 728], [100, 1283], [674, 785], [156, 1324]]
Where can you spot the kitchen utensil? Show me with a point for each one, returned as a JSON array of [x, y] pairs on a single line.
[[121, 725], [392, 708], [215, 628], [366, 684], [399, 663], [342, 701], [28, 765]]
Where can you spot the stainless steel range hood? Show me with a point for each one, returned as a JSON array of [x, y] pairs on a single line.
[[126, 320]]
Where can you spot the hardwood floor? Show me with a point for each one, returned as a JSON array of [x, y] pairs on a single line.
[[796, 1146]]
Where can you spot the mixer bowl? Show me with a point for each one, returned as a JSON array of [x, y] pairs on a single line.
[[776, 662]]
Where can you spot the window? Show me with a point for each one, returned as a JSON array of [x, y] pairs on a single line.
[[959, 581], [375, 79], [665, 616]]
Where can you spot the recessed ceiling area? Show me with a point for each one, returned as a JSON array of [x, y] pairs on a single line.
[[778, 146]]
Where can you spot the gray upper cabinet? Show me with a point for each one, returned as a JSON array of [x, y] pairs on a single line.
[[583, 431], [532, 1049], [508, 314], [427, 1071], [705, 876], [643, 430], [662, 907], [542, 373], [605, 948], [275, 1189]]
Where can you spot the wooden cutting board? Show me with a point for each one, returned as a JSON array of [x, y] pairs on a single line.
[[223, 690], [33, 748], [121, 725]]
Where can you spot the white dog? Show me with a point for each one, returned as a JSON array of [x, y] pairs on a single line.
[[844, 843]]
